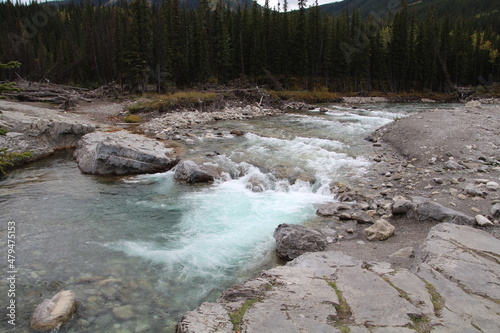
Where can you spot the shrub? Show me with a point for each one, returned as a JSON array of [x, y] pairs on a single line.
[[7, 158], [133, 119], [164, 103]]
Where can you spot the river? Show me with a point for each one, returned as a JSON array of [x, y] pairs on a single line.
[[139, 251]]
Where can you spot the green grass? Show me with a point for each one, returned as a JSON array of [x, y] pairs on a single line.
[[344, 311], [436, 298], [3, 131], [236, 317]]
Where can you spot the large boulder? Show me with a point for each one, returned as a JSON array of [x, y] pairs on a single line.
[[192, 173], [292, 240], [122, 153], [54, 312]]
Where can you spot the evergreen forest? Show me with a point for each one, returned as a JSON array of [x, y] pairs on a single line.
[[164, 45]]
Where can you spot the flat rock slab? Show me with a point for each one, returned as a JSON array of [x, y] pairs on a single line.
[[453, 287], [40, 130], [122, 153]]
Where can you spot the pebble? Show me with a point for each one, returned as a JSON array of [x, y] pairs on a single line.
[[493, 186], [438, 180], [475, 210], [483, 221]]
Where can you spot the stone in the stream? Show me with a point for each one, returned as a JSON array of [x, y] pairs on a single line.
[[54, 312], [192, 173], [122, 153]]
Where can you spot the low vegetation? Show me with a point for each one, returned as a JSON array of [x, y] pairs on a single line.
[[236, 317], [343, 309], [166, 103], [132, 119], [7, 159], [436, 298]]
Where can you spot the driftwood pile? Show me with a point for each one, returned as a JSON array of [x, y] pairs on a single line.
[[66, 97]]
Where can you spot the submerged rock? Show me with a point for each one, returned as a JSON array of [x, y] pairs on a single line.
[[54, 312], [292, 240], [192, 173], [122, 153]]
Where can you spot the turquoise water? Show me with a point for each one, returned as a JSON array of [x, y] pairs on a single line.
[[162, 247]]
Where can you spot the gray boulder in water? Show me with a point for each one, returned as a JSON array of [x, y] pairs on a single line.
[[192, 173], [122, 153]]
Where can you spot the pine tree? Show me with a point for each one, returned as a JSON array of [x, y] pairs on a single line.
[[138, 55]]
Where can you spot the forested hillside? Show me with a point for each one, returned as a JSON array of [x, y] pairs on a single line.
[[166, 45]]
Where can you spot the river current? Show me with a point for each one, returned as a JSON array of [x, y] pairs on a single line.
[[140, 251]]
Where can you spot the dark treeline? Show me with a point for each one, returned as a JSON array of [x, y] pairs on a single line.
[[140, 45]]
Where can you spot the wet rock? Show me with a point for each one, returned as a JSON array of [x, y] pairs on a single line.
[[54, 312], [256, 185], [426, 210], [401, 206], [122, 153], [293, 240], [380, 230], [483, 221], [192, 173], [237, 133]]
